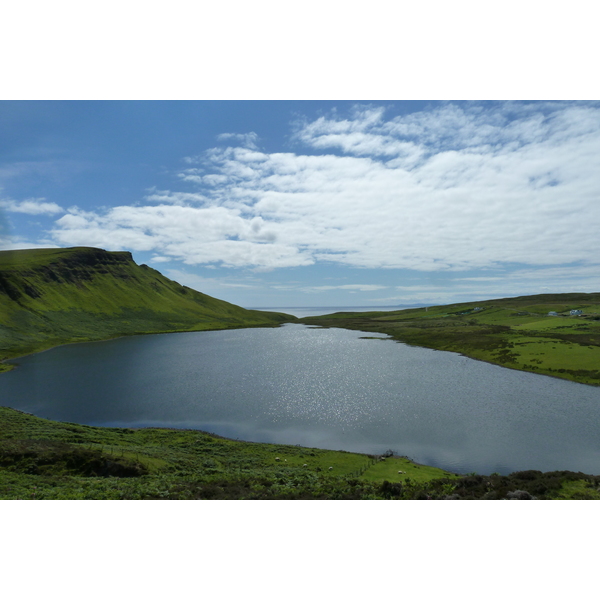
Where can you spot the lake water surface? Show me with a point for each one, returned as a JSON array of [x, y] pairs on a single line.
[[324, 388]]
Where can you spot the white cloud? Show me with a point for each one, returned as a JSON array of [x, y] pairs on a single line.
[[180, 198], [358, 287], [208, 284], [315, 289], [248, 140], [192, 235], [523, 281], [460, 187], [19, 243], [32, 206]]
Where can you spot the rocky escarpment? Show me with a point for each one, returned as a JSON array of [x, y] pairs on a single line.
[[82, 264]]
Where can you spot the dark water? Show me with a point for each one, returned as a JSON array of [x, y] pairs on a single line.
[[323, 388]]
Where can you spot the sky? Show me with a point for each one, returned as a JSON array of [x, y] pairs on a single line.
[[315, 203]]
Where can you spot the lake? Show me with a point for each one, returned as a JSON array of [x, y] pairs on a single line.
[[325, 388]]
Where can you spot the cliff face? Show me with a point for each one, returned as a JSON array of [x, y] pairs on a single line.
[[72, 266], [54, 296]]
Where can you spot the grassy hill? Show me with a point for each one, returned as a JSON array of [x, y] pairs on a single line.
[[61, 295], [42, 459], [512, 332]]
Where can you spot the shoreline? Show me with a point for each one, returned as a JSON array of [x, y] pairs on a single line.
[[43, 459], [393, 337], [124, 335]]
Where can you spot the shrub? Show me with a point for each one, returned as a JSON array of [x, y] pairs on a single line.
[[391, 490], [519, 495]]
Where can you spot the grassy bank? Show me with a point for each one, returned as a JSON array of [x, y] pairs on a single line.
[[63, 295], [513, 332], [42, 459]]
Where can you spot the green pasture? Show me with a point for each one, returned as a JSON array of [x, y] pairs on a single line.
[[578, 489], [547, 323], [401, 469], [556, 354]]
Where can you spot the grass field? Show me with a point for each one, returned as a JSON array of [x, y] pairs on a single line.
[[45, 459], [516, 333], [42, 459]]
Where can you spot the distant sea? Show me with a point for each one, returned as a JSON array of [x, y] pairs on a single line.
[[315, 311]]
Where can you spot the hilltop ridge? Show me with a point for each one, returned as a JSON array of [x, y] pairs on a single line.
[[53, 296]]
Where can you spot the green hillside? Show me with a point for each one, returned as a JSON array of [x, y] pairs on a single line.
[[61, 295], [517, 332]]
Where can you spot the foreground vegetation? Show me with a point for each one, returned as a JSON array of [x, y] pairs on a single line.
[[513, 332], [42, 459], [61, 295]]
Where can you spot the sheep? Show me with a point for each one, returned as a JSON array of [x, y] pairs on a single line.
[[277, 458], [305, 465], [330, 468]]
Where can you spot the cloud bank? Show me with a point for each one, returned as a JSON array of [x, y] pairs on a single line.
[[33, 206], [456, 188]]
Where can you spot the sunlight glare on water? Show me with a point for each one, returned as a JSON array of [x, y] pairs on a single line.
[[323, 388]]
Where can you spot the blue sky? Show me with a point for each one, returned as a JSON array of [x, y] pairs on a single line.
[[315, 203]]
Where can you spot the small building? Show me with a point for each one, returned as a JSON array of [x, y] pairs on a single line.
[[553, 313], [575, 312]]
